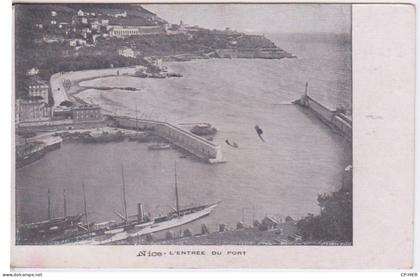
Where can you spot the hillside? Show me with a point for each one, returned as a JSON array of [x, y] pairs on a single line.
[[68, 37]]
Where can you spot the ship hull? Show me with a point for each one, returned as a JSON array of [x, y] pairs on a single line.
[[149, 228]]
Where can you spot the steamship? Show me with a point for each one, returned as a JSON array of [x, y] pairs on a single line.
[[136, 225]]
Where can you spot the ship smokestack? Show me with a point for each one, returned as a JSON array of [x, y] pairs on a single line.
[[140, 214]]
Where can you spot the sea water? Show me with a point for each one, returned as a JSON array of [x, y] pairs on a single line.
[[299, 158]]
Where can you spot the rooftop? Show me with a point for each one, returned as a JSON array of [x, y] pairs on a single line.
[[86, 107]]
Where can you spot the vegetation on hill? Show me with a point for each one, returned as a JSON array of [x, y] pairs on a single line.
[[335, 222], [47, 48]]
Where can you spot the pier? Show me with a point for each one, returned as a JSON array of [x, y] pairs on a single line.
[[335, 119], [190, 142], [47, 139]]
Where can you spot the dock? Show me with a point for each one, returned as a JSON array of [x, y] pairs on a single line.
[[196, 145], [335, 119]]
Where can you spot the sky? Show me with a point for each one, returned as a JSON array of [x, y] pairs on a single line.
[[260, 18]]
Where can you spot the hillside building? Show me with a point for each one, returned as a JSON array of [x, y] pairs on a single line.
[[39, 88], [127, 52], [77, 42], [126, 31], [32, 72]]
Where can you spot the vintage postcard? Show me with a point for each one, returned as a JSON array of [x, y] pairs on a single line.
[[211, 135]]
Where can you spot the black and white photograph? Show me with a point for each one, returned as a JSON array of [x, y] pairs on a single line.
[[183, 124]]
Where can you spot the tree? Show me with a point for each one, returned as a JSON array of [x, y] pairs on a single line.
[[334, 223]]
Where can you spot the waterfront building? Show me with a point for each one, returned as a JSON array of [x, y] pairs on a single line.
[[39, 88], [32, 109], [86, 113], [62, 113]]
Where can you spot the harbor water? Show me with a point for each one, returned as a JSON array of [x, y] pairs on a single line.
[[282, 176]]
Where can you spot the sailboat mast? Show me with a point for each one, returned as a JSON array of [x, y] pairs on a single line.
[[176, 193], [64, 203], [49, 204], [137, 127], [85, 207], [124, 200]]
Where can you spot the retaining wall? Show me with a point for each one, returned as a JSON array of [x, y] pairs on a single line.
[[190, 142]]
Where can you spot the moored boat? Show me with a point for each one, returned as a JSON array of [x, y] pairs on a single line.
[[203, 129], [159, 146], [142, 225]]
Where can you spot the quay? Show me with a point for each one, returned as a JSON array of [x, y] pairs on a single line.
[[57, 125], [335, 119], [84, 116], [50, 142], [34, 148], [184, 139]]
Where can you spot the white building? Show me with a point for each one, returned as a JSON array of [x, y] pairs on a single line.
[[63, 24], [39, 88], [33, 71], [29, 110], [126, 31], [53, 13], [80, 13], [95, 37], [77, 42], [127, 52], [95, 25], [123, 14]]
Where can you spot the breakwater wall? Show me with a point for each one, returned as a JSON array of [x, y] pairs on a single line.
[[333, 118], [253, 53], [194, 144]]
